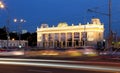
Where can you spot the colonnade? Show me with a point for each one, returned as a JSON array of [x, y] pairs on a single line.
[[62, 40]]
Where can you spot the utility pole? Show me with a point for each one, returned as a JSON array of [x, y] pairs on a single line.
[[7, 30], [19, 21], [110, 22], [109, 14]]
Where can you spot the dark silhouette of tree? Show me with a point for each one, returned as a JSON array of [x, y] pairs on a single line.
[[25, 36], [3, 34], [32, 39], [13, 35]]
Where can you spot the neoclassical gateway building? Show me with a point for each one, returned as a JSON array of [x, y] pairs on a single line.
[[66, 36]]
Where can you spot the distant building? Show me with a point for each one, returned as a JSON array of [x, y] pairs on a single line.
[[14, 31], [13, 43], [70, 36], [24, 31]]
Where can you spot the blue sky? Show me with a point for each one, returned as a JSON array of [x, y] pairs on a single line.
[[36, 12]]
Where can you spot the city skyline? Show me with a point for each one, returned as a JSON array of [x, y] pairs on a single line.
[[52, 12]]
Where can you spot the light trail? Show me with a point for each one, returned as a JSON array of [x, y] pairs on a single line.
[[57, 61], [66, 66]]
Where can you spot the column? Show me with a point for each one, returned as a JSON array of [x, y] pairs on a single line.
[[53, 39], [41, 42], [66, 40], [79, 38], [59, 39], [61, 44], [72, 39], [47, 42]]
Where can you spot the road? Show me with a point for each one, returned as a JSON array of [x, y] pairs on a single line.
[[34, 69], [16, 65]]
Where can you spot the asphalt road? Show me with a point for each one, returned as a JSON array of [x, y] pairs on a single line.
[[17, 65], [35, 69]]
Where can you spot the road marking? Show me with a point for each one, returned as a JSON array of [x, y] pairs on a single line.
[[66, 66], [42, 71]]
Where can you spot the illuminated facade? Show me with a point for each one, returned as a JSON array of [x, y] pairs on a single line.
[[70, 36]]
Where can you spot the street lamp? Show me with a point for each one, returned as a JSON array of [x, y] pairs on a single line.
[[19, 21], [2, 6]]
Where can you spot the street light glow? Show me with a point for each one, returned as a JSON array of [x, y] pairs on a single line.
[[15, 20], [21, 20], [2, 5]]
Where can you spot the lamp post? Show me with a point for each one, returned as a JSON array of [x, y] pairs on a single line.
[[2, 6], [19, 21]]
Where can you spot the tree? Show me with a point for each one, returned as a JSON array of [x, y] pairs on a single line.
[[3, 34], [32, 39], [25, 36], [13, 35]]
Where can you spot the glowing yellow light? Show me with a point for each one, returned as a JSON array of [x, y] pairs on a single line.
[[1, 5], [13, 39]]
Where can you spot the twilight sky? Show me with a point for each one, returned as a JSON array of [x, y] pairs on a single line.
[[36, 12]]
